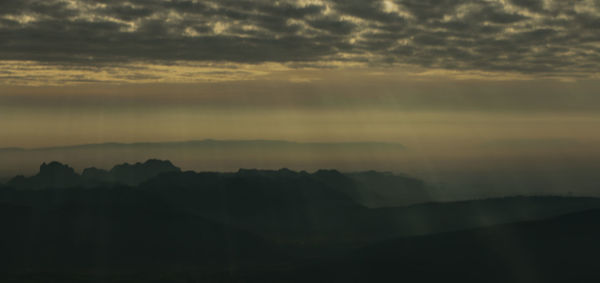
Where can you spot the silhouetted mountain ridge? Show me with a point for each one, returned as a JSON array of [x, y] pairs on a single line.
[[51, 175], [286, 206], [58, 175], [374, 190], [153, 219], [131, 174]]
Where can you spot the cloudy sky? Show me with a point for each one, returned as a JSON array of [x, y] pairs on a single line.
[[78, 41], [454, 81]]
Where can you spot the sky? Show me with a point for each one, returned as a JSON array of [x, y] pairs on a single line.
[[68, 41], [460, 83]]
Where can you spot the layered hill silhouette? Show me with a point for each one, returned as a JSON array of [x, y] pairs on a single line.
[[368, 188], [559, 249], [129, 174], [133, 234], [210, 155], [143, 221], [57, 175]]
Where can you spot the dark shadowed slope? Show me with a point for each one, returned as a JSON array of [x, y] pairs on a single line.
[[379, 189], [127, 229], [274, 225], [561, 249], [298, 207], [284, 206], [430, 218], [145, 244]]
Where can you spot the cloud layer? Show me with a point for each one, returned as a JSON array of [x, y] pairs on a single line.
[[541, 37]]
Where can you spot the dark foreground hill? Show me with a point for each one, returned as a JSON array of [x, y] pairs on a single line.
[[272, 226], [561, 249], [77, 236]]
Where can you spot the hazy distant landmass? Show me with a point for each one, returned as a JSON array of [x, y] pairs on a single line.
[[475, 175], [147, 220], [217, 143], [210, 155]]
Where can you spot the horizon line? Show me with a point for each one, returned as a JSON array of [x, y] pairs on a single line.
[[207, 140]]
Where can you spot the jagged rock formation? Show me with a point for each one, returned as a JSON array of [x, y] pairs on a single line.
[[130, 174], [51, 175], [57, 175], [372, 189]]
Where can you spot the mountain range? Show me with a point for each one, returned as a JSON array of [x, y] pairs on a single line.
[[369, 188], [210, 155], [152, 221]]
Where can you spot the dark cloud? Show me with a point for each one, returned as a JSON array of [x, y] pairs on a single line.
[[532, 5], [451, 34], [334, 26], [128, 13], [432, 9], [495, 15], [366, 9]]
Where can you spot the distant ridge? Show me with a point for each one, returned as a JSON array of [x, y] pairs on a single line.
[[370, 188], [210, 142], [57, 175], [212, 155]]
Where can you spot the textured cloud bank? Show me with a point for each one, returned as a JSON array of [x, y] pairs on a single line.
[[540, 37]]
